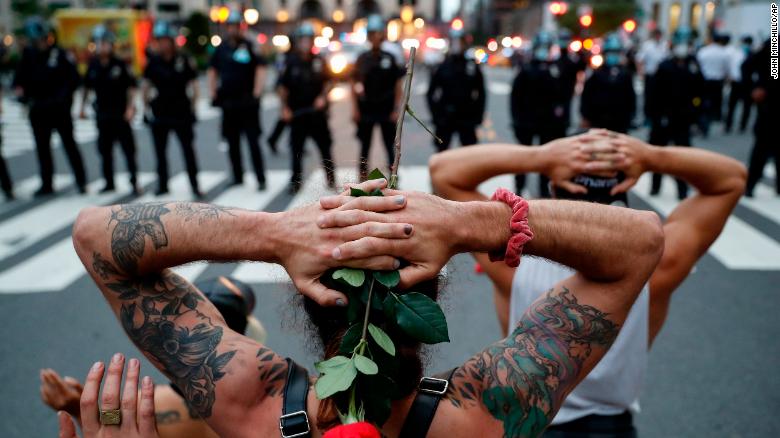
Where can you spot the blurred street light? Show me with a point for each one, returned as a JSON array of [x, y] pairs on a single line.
[[575, 46], [280, 40], [282, 16], [586, 20], [558, 8], [223, 14], [393, 31], [492, 45], [338, 16], [409, 43], [506, 42], [457, 24], [216, 40], [251, 16], [629, 25], [327, 32], [596, 61], [587, 44], [214, 14], [517, 42], [419, 23], [407, 13]]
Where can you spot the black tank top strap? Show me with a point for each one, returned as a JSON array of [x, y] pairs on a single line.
[[430, 391], [294, 421]]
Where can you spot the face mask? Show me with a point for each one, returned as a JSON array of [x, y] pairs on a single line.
[[746, 49], [612, 59], [541, 54], [680, 51]]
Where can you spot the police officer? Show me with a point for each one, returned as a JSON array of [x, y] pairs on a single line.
[[376, 92], [456, 95], [171, 74], [5, 178], [236, 80], [570, 64], [608, 97], [114, 87], [766, 93], [46, 79], [303, 90], [539, 102], [676, 103]]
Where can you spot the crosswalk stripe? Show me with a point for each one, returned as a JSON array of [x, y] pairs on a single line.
[[26, 276], [739, 247], [765, 202], [244, 196], [24, 229]]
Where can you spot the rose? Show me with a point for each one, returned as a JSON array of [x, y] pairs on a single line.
[[353, 430]]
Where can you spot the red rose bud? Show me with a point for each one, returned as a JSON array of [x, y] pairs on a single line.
[[354, 430]]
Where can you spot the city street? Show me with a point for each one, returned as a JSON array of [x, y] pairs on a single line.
[[712, 372]]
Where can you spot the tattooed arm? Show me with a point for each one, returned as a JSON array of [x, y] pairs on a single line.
[[522, 380], [224, 377]]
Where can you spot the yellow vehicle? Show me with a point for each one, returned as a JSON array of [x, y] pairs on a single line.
[[132, 29]]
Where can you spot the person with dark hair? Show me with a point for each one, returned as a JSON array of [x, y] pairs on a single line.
[[236, 80], [45, 80], [303, 91], [715, 62], [234, 300], [240, 387], [456, 94], [114, 86], [608, 97], [376, 94], [740, 83], [173, 77], [650, 55], [766, 94], [603, 403]]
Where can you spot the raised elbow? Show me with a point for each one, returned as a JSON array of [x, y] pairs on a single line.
[[85, 229], [436, 165], [650, 245]]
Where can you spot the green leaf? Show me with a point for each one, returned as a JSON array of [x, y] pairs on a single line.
[[421, 318], [376, 192], [334, 362], [388, 306], [381, 339], [365, 365], [375, 393], [353, 191], [352, 277], [376, 300], [388, 278], [376, 174], [335, 380], [351, 338]]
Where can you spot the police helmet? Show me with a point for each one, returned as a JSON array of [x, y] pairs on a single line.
[[683, 35], [542, 39], [305, 30], [163, 29], [36, 28], [234, 17], [374, 23], [101, 34], [612, 43], [564, 37]]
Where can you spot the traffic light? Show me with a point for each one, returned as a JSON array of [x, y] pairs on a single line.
[[629, 25], [558, 8], [586, 20], [457, 24]]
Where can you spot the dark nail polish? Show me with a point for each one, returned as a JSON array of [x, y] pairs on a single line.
[[399, 200], [340, 302], [408, 229]]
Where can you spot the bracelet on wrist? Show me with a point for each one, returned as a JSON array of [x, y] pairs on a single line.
[[518, 225]]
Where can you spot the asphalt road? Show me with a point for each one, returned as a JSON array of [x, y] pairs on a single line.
[[712, 371]]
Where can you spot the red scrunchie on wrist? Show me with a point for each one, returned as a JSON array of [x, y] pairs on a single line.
[[354, 430], [518, 225]]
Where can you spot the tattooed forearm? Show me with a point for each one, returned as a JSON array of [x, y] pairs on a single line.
[[273, 371], [523, 379], [201, 212], [134, 222]]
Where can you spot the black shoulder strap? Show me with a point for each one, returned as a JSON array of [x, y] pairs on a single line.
[[420, 416], [294, 421]]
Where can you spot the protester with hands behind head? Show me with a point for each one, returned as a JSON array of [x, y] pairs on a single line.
[[238, 385], [600, 167], [118, 412]]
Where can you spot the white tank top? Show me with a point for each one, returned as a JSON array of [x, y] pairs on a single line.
[[613, 385]]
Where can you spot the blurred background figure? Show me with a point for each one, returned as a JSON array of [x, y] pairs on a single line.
[[740, 83], [376, 93], [45, 80], [233, 299], [456, 94], [5, 178], [651, 53], [236, 80], [303, 90], [677, 90], [172, 76], [114, 86], [608, 97], [570, 64], [766, 93], [539, 102], [715, 61]]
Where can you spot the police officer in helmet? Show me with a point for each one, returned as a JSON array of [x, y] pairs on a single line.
[[173, 78], [376, 93], [539, 101], [114, 86], [236, 80], [456, 94], [608, 97], [46, 79], [303, 90]]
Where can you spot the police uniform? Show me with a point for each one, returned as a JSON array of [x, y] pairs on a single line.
[[539, 109], [172, 111], [675, 107], [608, 98], [48, 79], [570, 64], [305, 80], [456, 99], [236, 64], [111, 82], [378, 73]]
